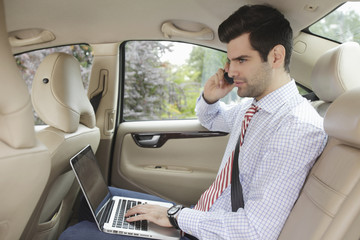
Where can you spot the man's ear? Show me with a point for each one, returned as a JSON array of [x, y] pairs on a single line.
[[277, 56]]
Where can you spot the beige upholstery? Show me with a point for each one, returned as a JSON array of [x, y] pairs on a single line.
[[335, 72], [329, 205], [24, 161], [60, 100]]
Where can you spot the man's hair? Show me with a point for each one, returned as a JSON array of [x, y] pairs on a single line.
[[267, 28]]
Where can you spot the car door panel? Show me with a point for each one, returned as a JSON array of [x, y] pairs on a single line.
[[176, 160]]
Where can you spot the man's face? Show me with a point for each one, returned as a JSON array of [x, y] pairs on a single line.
[[251, 75]]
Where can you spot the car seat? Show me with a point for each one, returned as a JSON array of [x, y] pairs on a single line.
[[335, 72], [60, 100], [24, 161]]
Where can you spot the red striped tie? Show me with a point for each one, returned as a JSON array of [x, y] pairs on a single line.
[[223, 180]]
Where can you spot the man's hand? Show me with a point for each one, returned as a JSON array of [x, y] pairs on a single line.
[[217, 87], [153, 213]]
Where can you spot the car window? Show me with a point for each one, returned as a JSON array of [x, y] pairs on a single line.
[[163, 79], [341, 25], [29, 62]]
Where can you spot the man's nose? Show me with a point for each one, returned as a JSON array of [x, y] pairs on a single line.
[[231, 71]]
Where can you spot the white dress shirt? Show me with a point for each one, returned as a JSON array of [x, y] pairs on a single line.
[[281, 144]]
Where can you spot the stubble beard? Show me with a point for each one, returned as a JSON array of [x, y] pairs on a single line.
[[257, 84]]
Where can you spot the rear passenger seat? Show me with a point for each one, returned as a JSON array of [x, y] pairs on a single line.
[[336, 71]]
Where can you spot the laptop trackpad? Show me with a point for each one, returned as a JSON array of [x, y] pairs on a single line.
[[170, 232]]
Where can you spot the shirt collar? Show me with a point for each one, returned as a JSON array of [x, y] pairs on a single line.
[[271, 102]]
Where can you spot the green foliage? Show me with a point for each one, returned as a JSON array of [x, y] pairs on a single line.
[[187, 79], [145, 80], [156, 89]]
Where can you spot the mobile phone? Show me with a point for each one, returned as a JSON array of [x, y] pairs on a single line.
[[228, 79]]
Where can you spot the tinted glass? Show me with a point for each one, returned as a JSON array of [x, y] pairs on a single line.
[[342, 25], [164, 79]]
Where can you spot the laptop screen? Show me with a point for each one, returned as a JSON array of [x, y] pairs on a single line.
[[91, 180]]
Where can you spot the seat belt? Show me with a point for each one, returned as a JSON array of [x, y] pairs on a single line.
[[237, 200], [95, 100]]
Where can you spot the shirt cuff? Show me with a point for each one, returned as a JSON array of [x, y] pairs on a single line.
[[202, 107], [202, 96], [189, 220]]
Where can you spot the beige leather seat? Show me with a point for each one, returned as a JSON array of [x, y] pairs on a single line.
[[336, 72], [329, 205], [60, 100], [24, 161]]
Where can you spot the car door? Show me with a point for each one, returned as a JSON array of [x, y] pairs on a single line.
[[160, 147]]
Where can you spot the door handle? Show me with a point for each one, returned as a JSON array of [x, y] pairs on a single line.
[[149, 141]]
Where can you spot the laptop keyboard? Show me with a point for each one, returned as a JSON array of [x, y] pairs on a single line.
[[120, 221]]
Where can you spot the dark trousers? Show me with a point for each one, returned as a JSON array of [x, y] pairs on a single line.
[[86, 228]]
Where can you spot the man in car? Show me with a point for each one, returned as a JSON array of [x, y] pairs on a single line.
[[281, 136]]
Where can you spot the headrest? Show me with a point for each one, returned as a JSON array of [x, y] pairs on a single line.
[[336, 71], [58, 94], [16, 117], [342, 120]]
